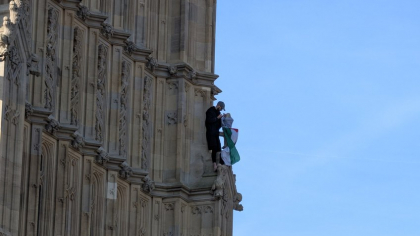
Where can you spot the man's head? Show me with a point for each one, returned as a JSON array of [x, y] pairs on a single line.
[[220, 106]]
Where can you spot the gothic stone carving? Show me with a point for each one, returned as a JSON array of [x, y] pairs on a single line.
[[15, 15], [100, 91], [26, 18], [187, 87], [5, 37], [171, 118], [172, 85], [107, 30], [148, 184], [130, 47], [169, 206], [102, 156], [200, 92], [28, 109], [237, 199], [173, 70], [147, 97], [53, 125], [7, 112], [15, 117], [125, 171], [78, 141], [83, 12], [33, 65], [152, 63], [125, 75], [14, 66], [75, 80], [51, 58], [219, 183], [202, 209], [193, 74]]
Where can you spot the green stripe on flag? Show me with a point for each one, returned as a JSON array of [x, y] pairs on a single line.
[[234, 154]]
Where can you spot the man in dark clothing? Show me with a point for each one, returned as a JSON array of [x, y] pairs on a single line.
[[213, 124]]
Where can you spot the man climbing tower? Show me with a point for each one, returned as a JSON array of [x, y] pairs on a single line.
[[213, 124]]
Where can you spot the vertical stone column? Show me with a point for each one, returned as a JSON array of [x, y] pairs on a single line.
[[156, 218], [33, 190], [114, 105], [172, 119], [39, 37], [138, 116], [158, 151], [210, 35], [141, 22], [182, 116], [12, 93], [184, 30], [163, 22]]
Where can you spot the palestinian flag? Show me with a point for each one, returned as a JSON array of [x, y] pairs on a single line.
[[231, 136]]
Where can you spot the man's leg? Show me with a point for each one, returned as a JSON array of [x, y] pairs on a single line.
[[213, 158]]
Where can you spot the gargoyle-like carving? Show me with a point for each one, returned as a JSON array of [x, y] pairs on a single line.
[[148, 184], [33, 65], [193, 74], [130, 47], [107, 30], [173, 70], [78, 140], [53, 125], [125, 171], [28, 109], [83, 12], [237, 199], [102, 156], [152, 63], [219, 183]]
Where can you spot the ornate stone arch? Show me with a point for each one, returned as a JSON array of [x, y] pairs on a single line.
[[46, 188], [97, 204], [122, 210]]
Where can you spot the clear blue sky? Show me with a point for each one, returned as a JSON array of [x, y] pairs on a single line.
[[326, 95]]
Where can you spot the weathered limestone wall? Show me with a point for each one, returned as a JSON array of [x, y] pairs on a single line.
[[102, 122]]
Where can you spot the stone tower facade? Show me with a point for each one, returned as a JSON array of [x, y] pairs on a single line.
[[102, 119]]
